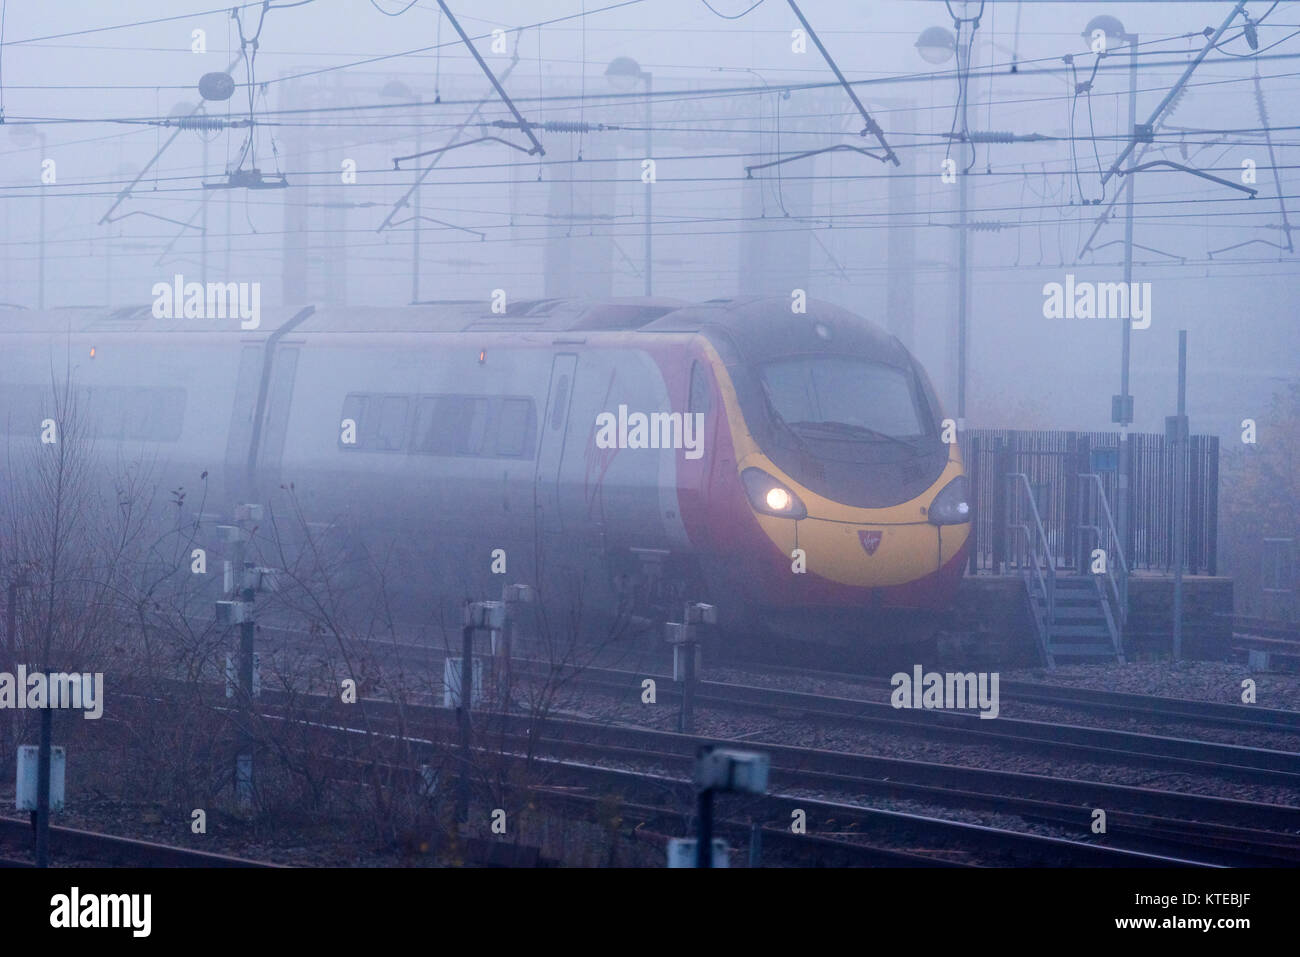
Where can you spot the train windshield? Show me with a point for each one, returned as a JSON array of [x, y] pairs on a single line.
[[844, 397]]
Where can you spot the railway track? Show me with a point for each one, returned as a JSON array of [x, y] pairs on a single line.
[[1237, 762], [854, 826], [68, 844], [1279, 639], [1169, 826], [1117, 703], [1223, 844], [1152, 708]]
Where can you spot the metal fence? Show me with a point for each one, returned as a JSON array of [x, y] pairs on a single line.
[[1053, 461]]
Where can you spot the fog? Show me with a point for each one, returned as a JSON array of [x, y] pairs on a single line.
[[340, 87]]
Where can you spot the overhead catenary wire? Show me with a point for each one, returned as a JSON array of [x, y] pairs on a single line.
[[581, 102]]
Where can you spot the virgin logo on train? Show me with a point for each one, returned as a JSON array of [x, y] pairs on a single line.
[[870, 539]]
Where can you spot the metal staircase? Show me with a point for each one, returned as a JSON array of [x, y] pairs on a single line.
[[1077, 616]]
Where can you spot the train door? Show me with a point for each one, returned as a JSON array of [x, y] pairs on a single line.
[[242, 416], [550, 453], [275, 421]]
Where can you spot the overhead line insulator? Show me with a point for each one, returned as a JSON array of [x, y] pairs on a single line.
[[202, 123], [556, 126]]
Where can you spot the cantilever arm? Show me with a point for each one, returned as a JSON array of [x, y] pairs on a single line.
[[456, 146], [872, 126], [1195, 172], [440, 222], [501, 92], [749, 170]]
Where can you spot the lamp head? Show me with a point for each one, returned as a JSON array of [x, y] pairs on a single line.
[[936, 44], [623, 72], [1110, 27]]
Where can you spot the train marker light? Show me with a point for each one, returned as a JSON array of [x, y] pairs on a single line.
[[778, 499], [952, 505]]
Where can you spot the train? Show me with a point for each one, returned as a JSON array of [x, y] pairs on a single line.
[[790, 466]]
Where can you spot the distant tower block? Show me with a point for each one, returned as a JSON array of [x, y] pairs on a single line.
[[774, 252], [575, 262]]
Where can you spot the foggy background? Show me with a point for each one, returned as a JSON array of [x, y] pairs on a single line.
[[338, 81]]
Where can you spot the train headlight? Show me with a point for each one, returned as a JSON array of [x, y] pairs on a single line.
[[952, 505], [769, 496]]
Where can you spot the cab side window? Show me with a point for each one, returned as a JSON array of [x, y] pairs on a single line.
[[701, 397]]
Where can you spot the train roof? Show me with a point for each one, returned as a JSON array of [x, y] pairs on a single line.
[[758, 327], [444, 316]]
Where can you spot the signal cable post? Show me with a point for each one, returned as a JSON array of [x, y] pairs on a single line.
[[724, 770], [243, 580], [685, 638]]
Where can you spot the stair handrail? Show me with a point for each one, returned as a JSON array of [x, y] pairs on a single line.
[[1117, 573], [1035, 540]]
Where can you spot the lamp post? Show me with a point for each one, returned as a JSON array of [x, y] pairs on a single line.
[[124, 172], [938, 45], [1109, 31], [28, 134], [398, 89], [179, 113], [19, 577], [624, 73]]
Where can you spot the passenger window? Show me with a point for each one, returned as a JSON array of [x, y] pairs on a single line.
[[475, 426], [168, 414], [435, 425], [139, 414], [513, 426], [105, 412], [21, 409], [701, 399], [391, 433], [354, 408]]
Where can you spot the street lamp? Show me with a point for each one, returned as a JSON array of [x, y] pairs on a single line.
[[623, 74], [1109, 27], [1112, 30], [27, 135], [936, 45], [396, 89]]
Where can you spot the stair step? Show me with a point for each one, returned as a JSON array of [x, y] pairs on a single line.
[[1060, 651], [1082, 631]]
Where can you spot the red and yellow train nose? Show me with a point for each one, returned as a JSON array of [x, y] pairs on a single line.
[[861, 547]]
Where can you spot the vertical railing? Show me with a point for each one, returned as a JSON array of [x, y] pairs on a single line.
[[1056, 458], [1095, 518], [1029, 550]]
